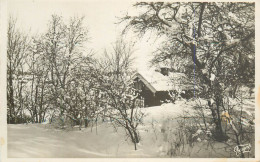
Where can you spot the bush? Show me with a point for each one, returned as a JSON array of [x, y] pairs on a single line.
[[62, 123]]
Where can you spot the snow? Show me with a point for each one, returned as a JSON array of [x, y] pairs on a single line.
[[40, 140], [36, 141], [160, 82], [169, 110], [204, 71], [234, 17], [157, 80], [212, 77], [232, 41]]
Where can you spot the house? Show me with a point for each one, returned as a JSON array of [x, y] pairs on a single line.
[[159, 86]]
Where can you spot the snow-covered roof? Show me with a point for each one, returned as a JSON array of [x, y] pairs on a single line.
[[156, 81]]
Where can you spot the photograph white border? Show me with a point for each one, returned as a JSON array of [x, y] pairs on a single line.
[[3, 102]]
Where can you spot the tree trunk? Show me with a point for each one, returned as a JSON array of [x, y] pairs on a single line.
[[11, 97], [86, 123], [220, 135], [133, 135], [136, 137]]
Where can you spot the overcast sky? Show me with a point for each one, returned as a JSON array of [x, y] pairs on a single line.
[[100, 18]]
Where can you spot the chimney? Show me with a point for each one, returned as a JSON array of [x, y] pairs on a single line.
[[165, 71]]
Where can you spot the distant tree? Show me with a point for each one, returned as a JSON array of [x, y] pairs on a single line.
[[63, 47], [17, 49], [46, 73], [119, 60], [37, 84]]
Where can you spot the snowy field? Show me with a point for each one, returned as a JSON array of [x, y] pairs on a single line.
[[35, 141], [39, 140]]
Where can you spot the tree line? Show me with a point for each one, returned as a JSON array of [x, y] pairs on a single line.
[[54, 76]]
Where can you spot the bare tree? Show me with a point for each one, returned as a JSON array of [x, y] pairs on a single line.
[[17, 48], [118, 94], [119, 60], [210, 36], [37, 83], [40, 72], [63, 46]]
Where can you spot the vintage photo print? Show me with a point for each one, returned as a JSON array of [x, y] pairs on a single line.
[[123, 79]]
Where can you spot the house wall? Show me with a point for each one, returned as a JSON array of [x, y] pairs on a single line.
[[150, 99], [163, 96]]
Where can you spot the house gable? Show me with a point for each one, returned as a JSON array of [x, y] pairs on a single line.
[[145, 82]]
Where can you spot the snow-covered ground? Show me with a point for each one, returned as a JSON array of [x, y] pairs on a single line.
[[39, 140], [33, 140]]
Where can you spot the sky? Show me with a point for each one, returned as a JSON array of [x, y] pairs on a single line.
[[100, 18]]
